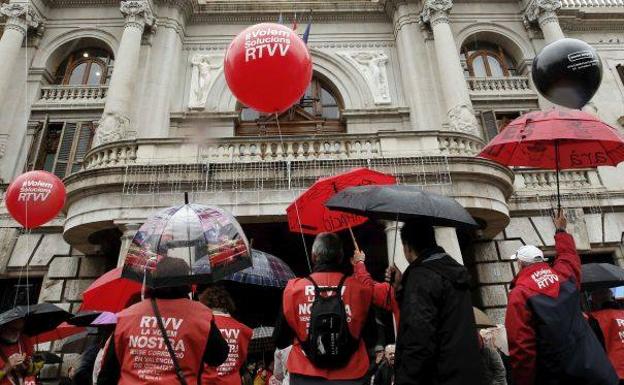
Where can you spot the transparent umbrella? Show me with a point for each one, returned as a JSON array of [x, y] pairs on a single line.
[[208, 240]]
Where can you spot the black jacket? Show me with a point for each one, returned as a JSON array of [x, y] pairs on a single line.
[[384, 374], [437, 341]]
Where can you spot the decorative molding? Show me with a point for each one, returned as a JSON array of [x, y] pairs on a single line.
[[3, 144], [372, 65], [138, 13], [435, 11], [462, 119], [20, 17], [112, 127], [206, 68], [542, 11]]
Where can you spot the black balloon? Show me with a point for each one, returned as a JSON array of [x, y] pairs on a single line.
[[567, 72]]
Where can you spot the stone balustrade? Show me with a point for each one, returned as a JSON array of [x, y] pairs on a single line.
[[270, 149], [591, 3], [547, 180], [459, 145], [73, 94], [509, 84], [241, 150], [111, 155]]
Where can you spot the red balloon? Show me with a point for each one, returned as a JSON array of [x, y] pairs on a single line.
[[35, 198], [268, 67]]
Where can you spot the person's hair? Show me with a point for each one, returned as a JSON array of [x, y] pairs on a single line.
[[216, 297], [327, 248], [171, 267], [418, 235]]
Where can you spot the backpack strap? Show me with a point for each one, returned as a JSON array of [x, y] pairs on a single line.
[[163, 331], [318, 290]]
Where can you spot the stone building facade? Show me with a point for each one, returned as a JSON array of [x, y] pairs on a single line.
[[128, 103]]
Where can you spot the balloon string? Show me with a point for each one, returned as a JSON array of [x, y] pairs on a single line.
[[305, 248]]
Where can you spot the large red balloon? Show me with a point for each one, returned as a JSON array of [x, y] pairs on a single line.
[[35, 198], [268, 67]]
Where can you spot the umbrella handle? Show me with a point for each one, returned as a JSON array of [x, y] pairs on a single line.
[[357, 248]]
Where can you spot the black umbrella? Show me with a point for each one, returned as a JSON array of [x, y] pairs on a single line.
[[402, 203], [77, 343], [84, 318], [601, 276], [38, 318], [48, 358]]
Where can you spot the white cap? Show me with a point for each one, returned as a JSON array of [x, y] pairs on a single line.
[[529, 254]]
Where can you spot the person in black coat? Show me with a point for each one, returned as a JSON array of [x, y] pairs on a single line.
[[437, 342]]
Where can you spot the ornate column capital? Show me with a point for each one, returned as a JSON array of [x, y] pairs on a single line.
[[436, 11], [542, 11], [20, 17], [112, 127], [138, 13]]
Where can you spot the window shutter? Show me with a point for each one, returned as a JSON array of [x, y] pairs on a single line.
[[620, 70], [83, 145], [490, 127], [35, 145], [64, 150]]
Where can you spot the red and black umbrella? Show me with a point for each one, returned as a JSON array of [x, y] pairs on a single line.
[[308, 214], [111, 292], [557, 140]]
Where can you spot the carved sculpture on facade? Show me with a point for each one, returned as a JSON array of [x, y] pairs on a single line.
[[19, 16], [462, 119], [373, 66], [435, 11], [137, 12], [204, 72], [543, 9], [112, 127]]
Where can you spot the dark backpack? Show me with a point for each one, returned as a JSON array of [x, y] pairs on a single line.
[[330, 344]]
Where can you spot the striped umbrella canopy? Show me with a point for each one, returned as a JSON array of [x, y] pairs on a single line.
[[262, 340], [266, 270]]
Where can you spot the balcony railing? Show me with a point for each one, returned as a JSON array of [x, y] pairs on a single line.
[[591, 3], [500, 85], [73, 94], [270, 149]]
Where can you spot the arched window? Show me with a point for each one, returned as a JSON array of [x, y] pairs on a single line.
[[318, 112], [88, 66], [487, 60]]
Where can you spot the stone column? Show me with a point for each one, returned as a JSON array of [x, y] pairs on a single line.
[[544, 13], [411, 49], [155, 103], [19, 19], [115, 123], [446, 237], [460, 113], [394, 244], [128, 230]]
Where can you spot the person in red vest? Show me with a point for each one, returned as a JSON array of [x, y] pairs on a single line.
[[17, 365], [608, 324], [235, 333], [137, 354], [550, 342], [384, 295], [299, 296]]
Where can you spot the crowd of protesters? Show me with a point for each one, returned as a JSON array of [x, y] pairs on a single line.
[[326, 331]]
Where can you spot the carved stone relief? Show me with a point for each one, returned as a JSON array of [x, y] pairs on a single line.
[[372, 65], [206, 67]]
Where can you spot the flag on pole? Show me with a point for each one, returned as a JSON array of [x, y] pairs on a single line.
[[306, 33]]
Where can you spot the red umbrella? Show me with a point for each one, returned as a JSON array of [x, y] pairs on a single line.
[[111, 292], [557, 140], [308, 214], [64, 330]]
